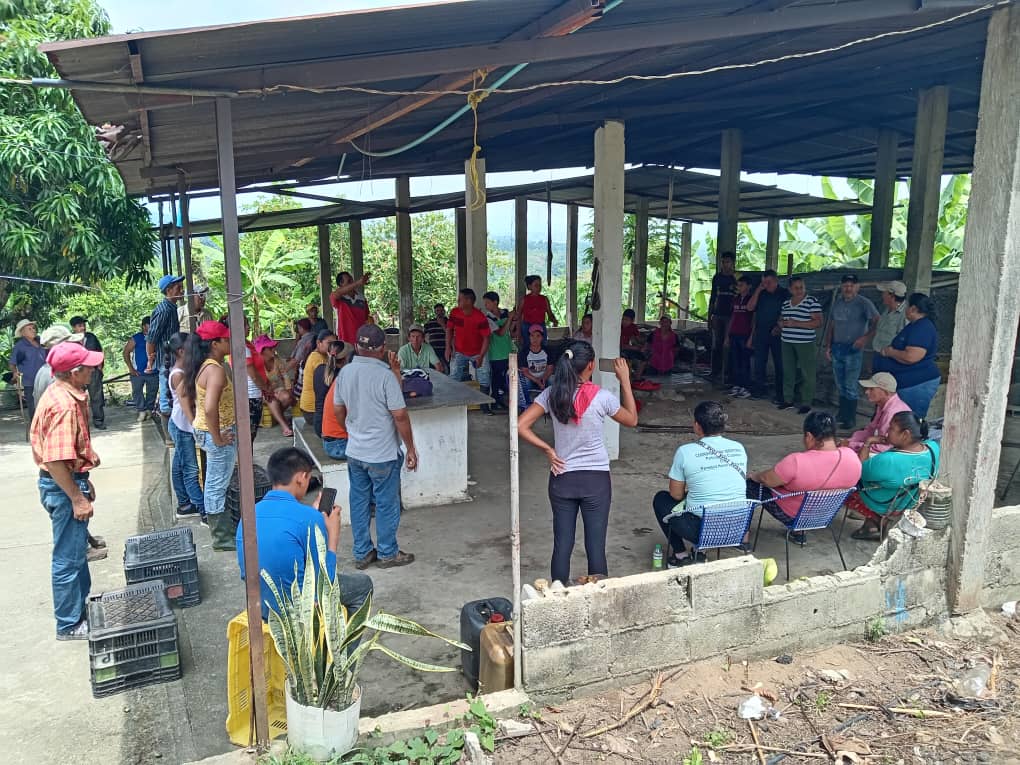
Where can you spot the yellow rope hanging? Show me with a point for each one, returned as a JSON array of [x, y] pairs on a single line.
[[474, 98]]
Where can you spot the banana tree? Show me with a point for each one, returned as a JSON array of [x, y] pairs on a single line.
[[322, 645]]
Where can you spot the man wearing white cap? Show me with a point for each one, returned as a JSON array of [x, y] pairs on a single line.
[[894, 317], [201, 313], [50, 337], [880, 389], [62, 450], [27, 358]]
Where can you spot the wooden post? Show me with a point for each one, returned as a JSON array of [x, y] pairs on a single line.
[[520, 248], [357, 249], [639, 263], [686, 247], [189, 276], [460, 216], [405, 273], [515, 524], [476, 232], [573, 230], [925, 187], [325, 275], [772, 245], [884, 198], [177, 239], [729, 192], [789, 264]]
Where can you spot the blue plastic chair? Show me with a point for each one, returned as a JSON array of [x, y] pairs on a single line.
[[817, 511], [723, 524]]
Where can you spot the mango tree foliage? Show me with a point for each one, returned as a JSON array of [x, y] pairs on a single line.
[[63, 211]]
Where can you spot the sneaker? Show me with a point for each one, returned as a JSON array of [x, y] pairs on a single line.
[[744, 393], [80, 631], [95, 554], [362, 563], [99, 425], [804, 409], [734, 391], [400, 559], [784, 405], [142, 417], [188, 511]]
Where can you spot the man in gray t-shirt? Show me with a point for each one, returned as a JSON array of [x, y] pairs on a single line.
[[370, 407], [851, 327]]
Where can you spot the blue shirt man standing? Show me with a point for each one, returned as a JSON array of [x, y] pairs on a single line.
[[285, 528]]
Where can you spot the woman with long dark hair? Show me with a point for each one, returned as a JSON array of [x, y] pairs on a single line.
[[333, 435], [184, 466], [578, 460], [910, 357], [207, 389]]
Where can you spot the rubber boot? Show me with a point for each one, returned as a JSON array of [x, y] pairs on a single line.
[[487, 408], [222, 527], [850, 417]]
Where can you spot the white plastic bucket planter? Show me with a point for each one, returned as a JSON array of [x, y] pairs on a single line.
[[323, 734]]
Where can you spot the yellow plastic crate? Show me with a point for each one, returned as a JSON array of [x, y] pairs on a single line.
[[267, 417], [239, 691], [473, 384]]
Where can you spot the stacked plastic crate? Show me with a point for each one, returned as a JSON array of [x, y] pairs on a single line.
[[262, 487], [168, 556]]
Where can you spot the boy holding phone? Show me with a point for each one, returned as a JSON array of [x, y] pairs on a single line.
[[284, 529]]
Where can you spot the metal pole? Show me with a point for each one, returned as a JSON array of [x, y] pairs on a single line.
[[515, 524], [235, 312], [177, 241], [325, 275], [162, 243], [189, 276]]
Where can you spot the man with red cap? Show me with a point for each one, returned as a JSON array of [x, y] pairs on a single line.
[[62, 449]]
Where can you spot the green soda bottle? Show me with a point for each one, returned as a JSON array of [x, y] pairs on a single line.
[[657, 558]]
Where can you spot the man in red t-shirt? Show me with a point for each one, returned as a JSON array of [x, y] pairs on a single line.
[[348, 299], [632, 345], [467, 340]]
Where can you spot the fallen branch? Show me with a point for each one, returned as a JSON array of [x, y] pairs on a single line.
[[556, 758], [842, 727], [743, 748], [573, 733], [638, 708], [757, 742], [918, 713]]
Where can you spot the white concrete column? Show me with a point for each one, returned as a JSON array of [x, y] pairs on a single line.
[[476, 232], [520, 248], [357, 249], [883, 199], [772, 244], [987, 310], [460, 220], [325, 276], [729, 192], [405, 273], [573, 230], [608, 245], [639, 262], [925, 187], [686, 247]]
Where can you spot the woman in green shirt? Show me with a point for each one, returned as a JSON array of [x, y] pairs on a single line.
[[890, 479]]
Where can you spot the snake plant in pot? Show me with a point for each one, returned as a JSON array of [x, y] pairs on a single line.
[[323, 647]]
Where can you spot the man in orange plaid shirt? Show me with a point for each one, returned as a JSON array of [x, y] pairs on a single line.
[[62, 449]]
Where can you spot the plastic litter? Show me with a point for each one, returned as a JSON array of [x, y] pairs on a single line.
[[1009, 609], [753, 708], [974, 682]]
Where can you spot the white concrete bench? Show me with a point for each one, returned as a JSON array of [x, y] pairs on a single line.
[[334, 472]]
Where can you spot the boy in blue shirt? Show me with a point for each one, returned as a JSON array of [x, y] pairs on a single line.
[[285, 528]]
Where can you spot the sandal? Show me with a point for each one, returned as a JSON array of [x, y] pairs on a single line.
[[867, 534], [288, 433], [590, 578]]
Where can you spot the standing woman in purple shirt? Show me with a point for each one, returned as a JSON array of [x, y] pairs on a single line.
[[579, 461]]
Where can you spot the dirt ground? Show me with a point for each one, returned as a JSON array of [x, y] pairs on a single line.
[[890, 701]]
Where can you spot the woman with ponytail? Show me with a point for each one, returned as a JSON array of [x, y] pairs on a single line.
[[889, 479], [184, 466], [578, 460]]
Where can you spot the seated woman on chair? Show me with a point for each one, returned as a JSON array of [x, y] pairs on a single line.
[[822, 465], [889, 479], [712, 469]]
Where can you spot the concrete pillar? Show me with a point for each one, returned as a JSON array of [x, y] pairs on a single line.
[[772, 244], [639, 262], [925, 186], [686, 247], [460, 219], [405, 274], [729, 192], [988, 308], [608, 245], [884, 198], [325, 276], [476, 232], [520, 248], [357, 249], [573, 230]]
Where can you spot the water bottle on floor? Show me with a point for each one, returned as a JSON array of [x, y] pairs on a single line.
[[657, 558]]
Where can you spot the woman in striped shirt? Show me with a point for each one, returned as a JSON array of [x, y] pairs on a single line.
[[800, 318]]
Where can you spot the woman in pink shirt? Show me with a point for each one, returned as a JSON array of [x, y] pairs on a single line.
[[880, 389], [822, 465], [664, 345]]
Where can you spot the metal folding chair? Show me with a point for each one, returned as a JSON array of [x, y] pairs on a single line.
[[904, 499], [723, 524], [817, 511]]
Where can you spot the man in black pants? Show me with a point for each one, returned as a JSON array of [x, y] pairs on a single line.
[[720, 309], [97, 399], [767, 304]]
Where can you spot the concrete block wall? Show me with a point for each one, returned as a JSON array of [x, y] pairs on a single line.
[[1002, 565], [585, 639]]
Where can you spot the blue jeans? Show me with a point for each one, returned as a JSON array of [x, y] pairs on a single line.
[[219, 461], [459, 364], [184, 468], [379, 481], [164, 392], [150, 384], [918, 397], [335, 448], [70, 569], [846, 369]]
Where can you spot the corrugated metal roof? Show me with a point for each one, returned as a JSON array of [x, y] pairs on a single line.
[[695, 198], [808, 115]]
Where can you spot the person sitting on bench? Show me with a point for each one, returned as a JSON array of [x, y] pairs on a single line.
[[334, 437]]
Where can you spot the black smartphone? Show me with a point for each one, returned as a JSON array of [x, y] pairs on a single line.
[[607, 365], [327, 500]]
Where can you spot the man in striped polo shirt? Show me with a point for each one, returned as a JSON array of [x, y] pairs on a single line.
[[799, 322]]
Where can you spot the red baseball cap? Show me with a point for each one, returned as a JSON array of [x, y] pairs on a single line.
[[66, 356], [212, 330]]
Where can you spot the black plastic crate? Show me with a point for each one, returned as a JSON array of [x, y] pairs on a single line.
[[169, 556], [233, 499], [132, 639]]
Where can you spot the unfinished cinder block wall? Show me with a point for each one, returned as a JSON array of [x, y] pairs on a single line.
[[608, 634], [1002, 562]]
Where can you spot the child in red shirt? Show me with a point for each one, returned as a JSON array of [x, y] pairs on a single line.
[[534, 307]]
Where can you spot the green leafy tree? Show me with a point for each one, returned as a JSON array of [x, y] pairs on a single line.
[[63, 211]]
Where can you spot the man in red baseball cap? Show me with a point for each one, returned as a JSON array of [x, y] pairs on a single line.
[[62, 449]]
